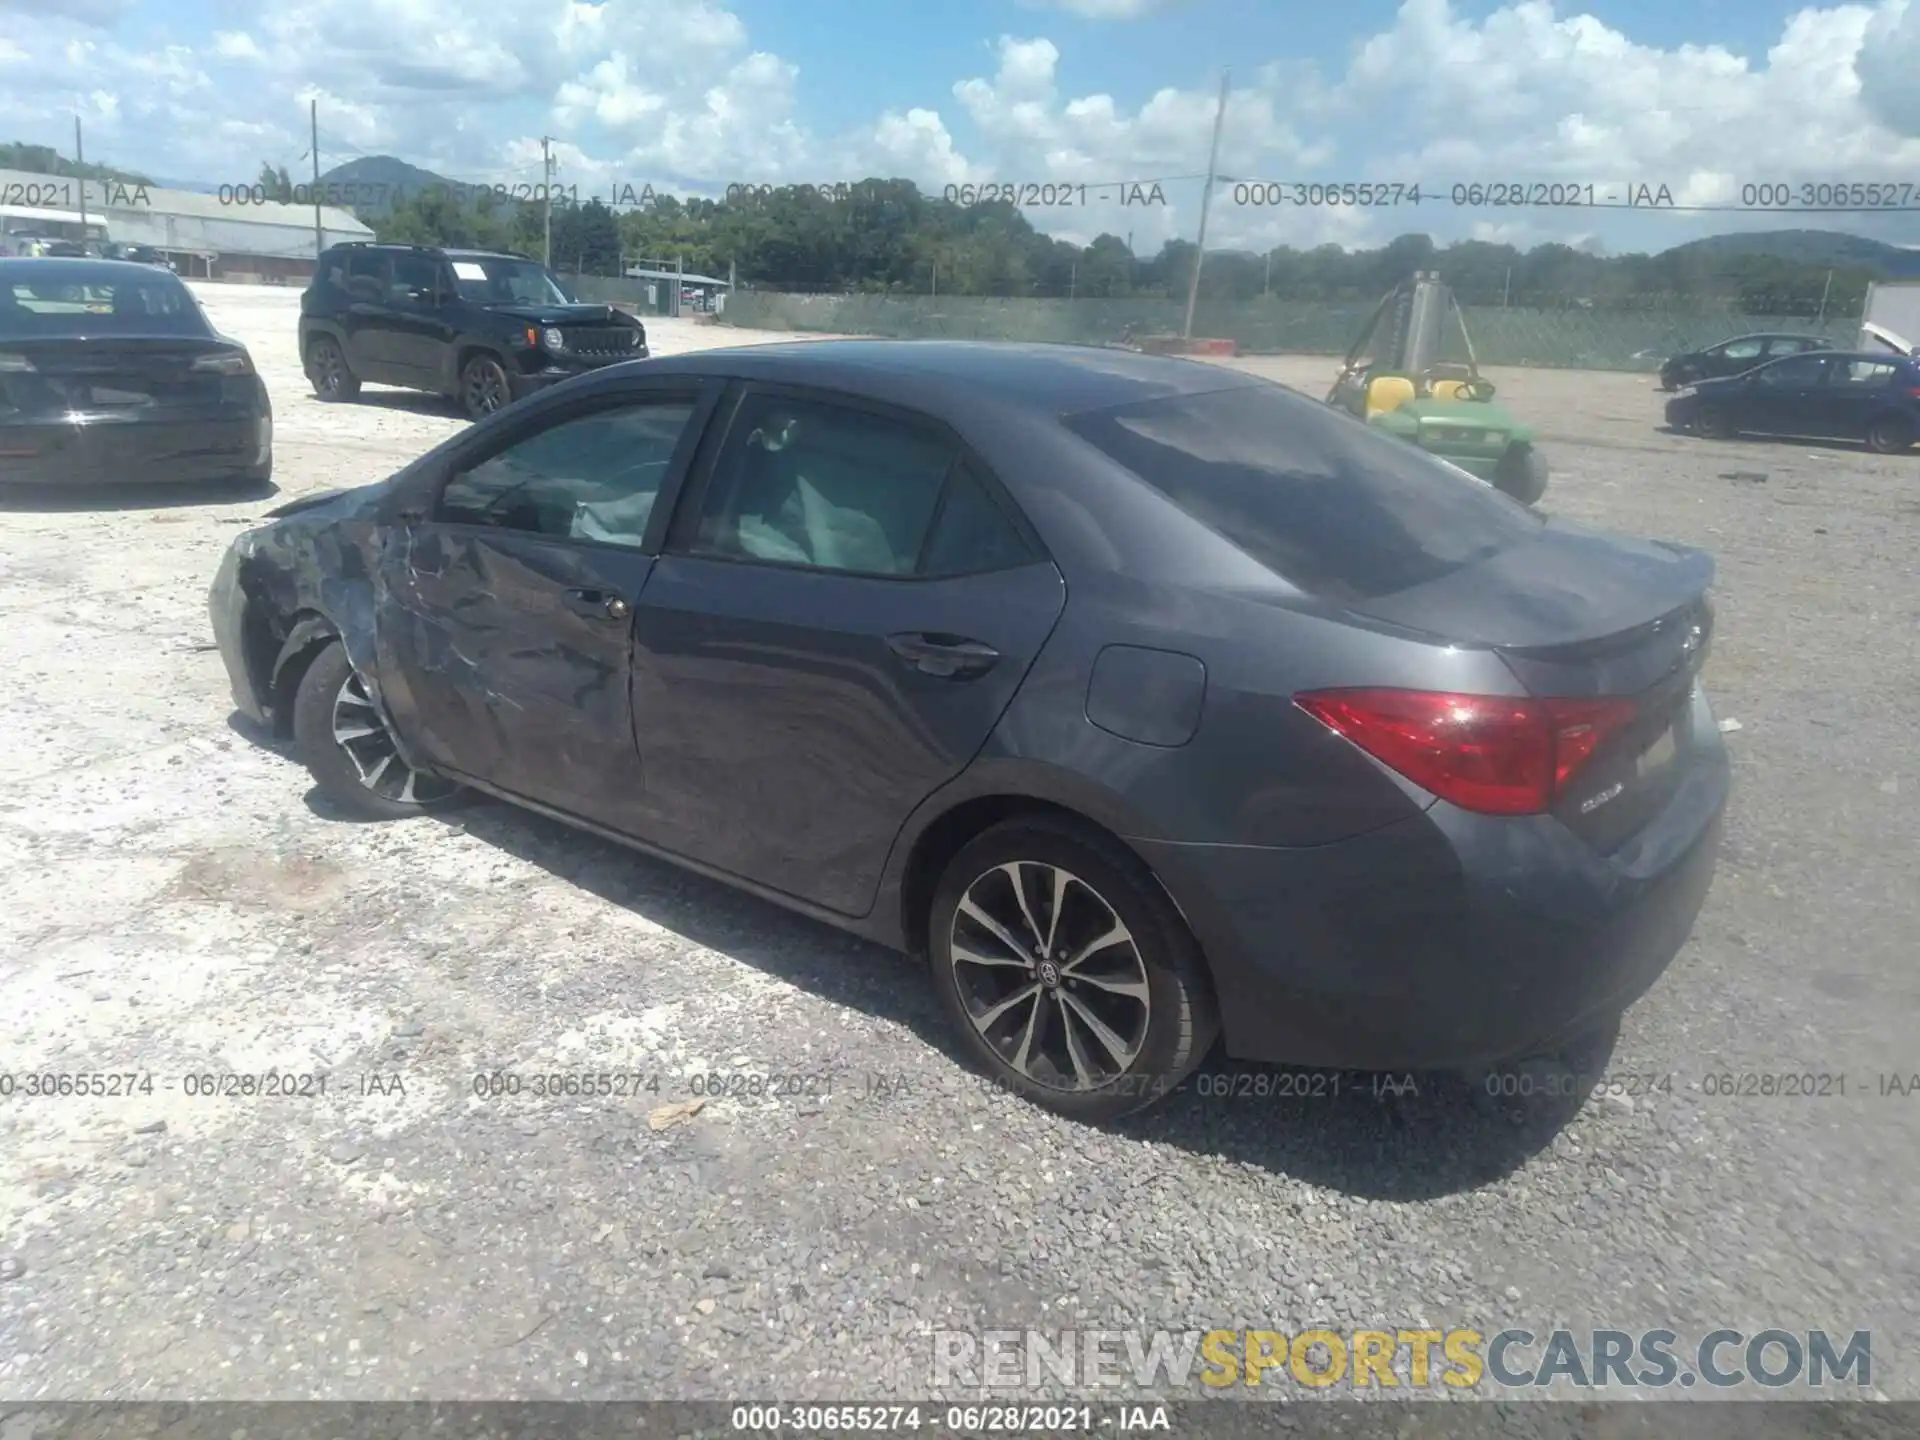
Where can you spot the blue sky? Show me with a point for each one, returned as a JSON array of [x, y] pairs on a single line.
[[1704, 98]]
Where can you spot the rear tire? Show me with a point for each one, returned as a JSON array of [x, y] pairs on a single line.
[[1889, 435], [1522, 473], [1094, 1030], [332, 378], [344, 742]]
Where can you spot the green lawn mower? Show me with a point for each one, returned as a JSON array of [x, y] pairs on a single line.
[[1390, 379]]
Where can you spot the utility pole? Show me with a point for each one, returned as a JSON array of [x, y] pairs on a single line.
[[1206, 200], [546, 190], [1825, 290], [319, 232], [1266, 285], [80, 164]]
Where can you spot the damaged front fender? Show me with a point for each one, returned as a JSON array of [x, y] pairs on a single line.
[[288, 588]]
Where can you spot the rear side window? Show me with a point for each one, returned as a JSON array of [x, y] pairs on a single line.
[[1872, 373], [366, 276], [1330, 505], [971, 533], [823, 486]]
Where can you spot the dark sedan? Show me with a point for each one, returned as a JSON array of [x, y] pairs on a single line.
[[1149, 699], [110, 371], [1735, 357], [1871, 399]]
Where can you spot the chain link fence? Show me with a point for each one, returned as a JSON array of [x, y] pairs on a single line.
[[1567, 335]]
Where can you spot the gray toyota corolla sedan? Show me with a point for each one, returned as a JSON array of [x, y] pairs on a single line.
[[1151, 701]]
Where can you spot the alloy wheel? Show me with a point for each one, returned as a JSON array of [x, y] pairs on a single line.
[[486, 389], [1050, 976], [363, 737], [328, 369]]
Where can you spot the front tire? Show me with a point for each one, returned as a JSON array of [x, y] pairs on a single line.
[[1066, 970], [484, 387], [345, 744], [1522, 473], [332, 378], [1712, 424]]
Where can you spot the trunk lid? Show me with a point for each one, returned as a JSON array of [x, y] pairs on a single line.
[[1578, 613], [129, 377]]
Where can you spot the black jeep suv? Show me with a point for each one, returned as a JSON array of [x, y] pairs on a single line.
[[481, 327]]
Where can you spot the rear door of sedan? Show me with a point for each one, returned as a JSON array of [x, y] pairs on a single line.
[[845, 605]]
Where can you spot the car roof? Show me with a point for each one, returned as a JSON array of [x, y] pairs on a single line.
[[950, 377], [452, 252], [76, 267]]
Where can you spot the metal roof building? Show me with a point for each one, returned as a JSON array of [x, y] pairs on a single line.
[[203, 234]]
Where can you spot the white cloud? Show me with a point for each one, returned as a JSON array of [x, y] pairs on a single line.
[[673, 91], [235, 45]]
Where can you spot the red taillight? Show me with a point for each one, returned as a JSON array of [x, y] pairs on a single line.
[[1494, 754], [1914, 393]]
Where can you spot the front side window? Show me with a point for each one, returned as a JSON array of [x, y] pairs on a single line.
[[1800, 370], [1738, 350], [1333, 507], [411, 274], [594, 477]]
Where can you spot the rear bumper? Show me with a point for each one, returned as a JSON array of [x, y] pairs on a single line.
[[1446, 941], [160, 451]]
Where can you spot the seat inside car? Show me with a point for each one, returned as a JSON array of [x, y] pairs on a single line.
[[804, 503], [1387, 392]]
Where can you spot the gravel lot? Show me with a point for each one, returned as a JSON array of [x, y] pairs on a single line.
[[172, 903]]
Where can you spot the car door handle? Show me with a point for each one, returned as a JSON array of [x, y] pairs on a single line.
[[597, 604], [951, 657]]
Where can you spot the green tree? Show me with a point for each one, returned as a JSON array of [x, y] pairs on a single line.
[[277, 183]]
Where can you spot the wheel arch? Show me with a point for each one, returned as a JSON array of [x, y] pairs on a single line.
[[469, 350], [942, 830], [308, 633], [322, 330]]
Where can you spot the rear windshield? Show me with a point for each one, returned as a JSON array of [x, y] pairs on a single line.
[[1333, 507], [151, 303]]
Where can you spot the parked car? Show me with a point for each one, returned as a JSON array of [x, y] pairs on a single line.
[[1871, 397], [137, 254], [1735, 357], [111, 371], [1147, 698], [479, 327]]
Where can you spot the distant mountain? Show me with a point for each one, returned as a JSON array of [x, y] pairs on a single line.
[[385, 177], [1832, 248]]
